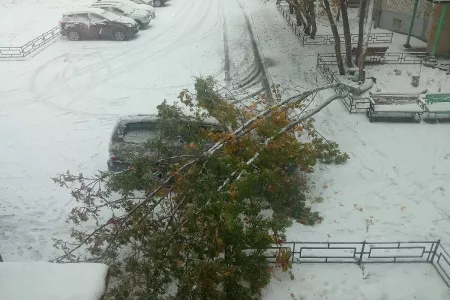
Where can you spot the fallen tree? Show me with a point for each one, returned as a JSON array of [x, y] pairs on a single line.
[[193, 223]]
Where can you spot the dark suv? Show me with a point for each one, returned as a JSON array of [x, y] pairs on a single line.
[[131, 134], [97, 23]]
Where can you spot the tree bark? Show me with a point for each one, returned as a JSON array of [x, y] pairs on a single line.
[[347, 34], [368, 29], [312, 13], [362, 11], [298, 13], [299, 17], [337, 39]]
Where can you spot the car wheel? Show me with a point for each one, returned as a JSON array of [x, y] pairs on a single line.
[[74, 35], [157, 3], [119, 35], [140, 24]]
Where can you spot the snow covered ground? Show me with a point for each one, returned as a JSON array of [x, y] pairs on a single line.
[[350, 282], [431, 80], [23, 20], [42, 280], [58, 109], [398, 174]]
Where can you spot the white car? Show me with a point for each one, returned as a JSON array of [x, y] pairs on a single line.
[[154, 3], [148, 2], [133, 5], [142, 17]]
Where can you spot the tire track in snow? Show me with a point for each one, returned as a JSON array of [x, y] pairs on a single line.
[[257, 73], [226, 51], [256, 53], [174, 36]]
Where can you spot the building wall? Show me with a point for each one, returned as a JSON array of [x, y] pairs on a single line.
[[395, 15], [443, 48]]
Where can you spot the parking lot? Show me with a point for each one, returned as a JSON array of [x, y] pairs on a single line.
[[58, 109]]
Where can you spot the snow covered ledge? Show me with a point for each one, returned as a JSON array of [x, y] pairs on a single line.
[[51, 281]]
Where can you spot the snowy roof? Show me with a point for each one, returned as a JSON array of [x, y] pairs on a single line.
[[50, 281]]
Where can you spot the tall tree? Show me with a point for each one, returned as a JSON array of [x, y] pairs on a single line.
[[302, 9], [362, 12], [337, 39], [367, 29], [312, 12], [299, 13], [347, 34]]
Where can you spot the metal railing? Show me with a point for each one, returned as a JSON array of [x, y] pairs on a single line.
[[327, 61], [351, 103], [389, 58], [367, 252], [292, 22], [327, 39], [31, 46]]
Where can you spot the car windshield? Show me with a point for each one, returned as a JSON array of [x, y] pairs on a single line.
[[140, 132], [109, 15], [125, 8]]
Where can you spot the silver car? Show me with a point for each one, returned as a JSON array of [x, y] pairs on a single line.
[[131, 134], [141, 17]]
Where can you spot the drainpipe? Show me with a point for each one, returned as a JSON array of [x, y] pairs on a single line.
[[439, 29], [411, 24]]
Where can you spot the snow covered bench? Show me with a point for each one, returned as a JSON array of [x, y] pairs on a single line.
[[436, 107], [51, 281], [395, 108]]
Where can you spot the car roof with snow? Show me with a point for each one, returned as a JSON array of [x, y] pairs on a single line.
[[108, 3], [123, 120], [84, 10]]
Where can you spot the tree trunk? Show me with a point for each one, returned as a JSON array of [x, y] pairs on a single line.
[[362, 10], [299, 17], [368, 29], [337, 39], [298, 13], [347, 34], [312, 13], [307, 15]]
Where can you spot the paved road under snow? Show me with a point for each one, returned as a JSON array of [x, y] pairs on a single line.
[[58, 108]]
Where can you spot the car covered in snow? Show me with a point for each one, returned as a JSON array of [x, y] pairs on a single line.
[[132, 133], [148, 2], [159, 3], [154, 3], [134, 5], [96, 23], [142, 17]]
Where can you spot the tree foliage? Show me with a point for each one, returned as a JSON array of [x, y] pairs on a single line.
[[195, 220]]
